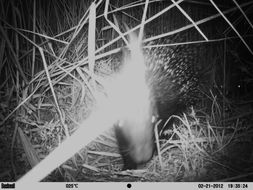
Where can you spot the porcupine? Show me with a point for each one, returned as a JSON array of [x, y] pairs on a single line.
[[173, 82]]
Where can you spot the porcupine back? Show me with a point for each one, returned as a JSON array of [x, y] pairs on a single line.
[[173, 77]]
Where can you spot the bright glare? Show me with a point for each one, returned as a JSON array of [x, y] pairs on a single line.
[[128, 93]]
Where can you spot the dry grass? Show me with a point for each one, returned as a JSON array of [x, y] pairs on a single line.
[[50, 86]]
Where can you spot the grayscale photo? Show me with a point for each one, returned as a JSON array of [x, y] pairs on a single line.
[[126, 91]]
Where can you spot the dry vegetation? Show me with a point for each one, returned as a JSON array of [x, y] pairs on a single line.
[[47, 89]]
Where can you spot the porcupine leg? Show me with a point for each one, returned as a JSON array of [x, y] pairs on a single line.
[[123, 143]]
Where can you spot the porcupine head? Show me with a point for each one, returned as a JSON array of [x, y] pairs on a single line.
[[135, 128]]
